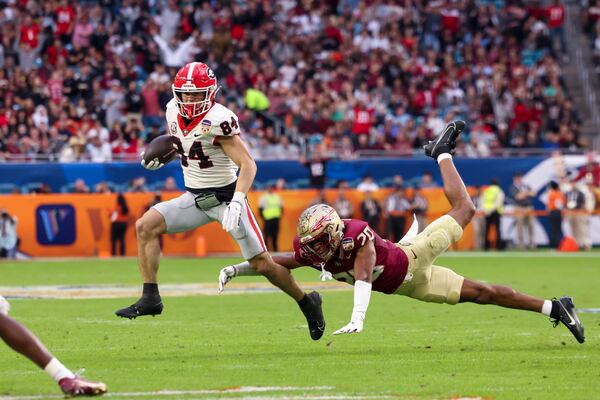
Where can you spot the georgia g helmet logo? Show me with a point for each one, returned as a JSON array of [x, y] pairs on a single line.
[[194, 89]]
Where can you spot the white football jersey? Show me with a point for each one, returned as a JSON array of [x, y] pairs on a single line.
[[204, 163]]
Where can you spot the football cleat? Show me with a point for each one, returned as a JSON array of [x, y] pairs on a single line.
[[446, 141], [568, 317], [141, 307], [79, 386], [314, 316]]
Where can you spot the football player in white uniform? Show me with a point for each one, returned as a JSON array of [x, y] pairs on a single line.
[[207, 139]]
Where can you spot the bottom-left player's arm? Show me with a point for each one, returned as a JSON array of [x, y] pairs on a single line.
[[244, 269], [363, 274]]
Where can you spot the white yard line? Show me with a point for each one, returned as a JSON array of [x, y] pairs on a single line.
[[170, 290], [230, 391]]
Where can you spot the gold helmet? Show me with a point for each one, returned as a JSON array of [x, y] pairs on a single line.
[[320, 232]]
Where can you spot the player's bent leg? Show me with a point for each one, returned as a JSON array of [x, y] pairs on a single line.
[[310, 304], [148, 229]]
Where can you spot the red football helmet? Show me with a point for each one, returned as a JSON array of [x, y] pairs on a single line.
[[194, 89]]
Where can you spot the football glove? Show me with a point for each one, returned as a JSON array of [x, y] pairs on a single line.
[[352, 327], [152, 165], [226, 274], [233, 212]]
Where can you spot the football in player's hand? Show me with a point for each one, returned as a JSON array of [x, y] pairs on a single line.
[[161, 147]]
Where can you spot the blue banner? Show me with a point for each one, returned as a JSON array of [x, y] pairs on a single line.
[[60, 177]]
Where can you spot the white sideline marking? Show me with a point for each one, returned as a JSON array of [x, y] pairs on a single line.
[[242, 389], [589, 310], [170, 290]]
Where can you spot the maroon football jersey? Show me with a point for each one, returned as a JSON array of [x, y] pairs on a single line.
[[390, 266]]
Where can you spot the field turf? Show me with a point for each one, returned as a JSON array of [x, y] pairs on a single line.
[[203, 346]]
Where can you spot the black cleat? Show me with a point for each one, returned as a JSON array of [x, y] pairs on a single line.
[[445, 141], [141, 307], [314, 316], [568, 317]]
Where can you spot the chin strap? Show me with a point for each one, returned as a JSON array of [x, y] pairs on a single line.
[[325, 275]]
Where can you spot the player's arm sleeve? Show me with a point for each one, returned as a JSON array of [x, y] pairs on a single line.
[[227, 126]]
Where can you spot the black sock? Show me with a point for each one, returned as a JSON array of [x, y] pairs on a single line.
[[150, 290], [304, 301], [555, 312]]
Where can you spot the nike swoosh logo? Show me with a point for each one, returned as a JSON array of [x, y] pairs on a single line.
[[414, 254], [450, 126], [573, 322]]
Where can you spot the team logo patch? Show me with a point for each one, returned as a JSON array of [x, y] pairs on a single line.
[[347, 244], [205, 126], [210, 73], [55, 224], [173, 127]]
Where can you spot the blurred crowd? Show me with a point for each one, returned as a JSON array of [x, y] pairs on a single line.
[[90, 80], [589, 19]]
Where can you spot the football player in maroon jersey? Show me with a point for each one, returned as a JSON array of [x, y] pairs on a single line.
[[23, 341], [349, 250]]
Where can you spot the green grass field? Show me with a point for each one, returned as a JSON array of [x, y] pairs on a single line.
[[203, 345]]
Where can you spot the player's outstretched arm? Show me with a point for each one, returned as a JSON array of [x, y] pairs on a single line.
[[363, 274], [244, 269], [235, 149]]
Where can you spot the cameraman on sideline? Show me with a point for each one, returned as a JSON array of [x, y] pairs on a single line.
[[8, 234]]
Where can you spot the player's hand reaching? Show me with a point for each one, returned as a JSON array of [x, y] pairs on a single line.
[[233, 212], [226, 274], [152, 165], [352, 327]]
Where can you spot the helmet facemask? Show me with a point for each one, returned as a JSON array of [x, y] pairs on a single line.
[[320, 231], [202, 99]]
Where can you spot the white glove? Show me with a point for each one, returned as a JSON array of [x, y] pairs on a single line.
[[362, 295], [352, 327], [231, 216], [152, 165], [226, 274]]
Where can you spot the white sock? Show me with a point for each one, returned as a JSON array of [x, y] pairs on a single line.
[[547, 307], [444, 156], [57, 371]]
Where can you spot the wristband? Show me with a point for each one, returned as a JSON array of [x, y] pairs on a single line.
[[444, 156], [239, 197]]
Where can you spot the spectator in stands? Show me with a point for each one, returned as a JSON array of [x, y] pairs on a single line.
[[8, 234], [492, 204], [590, 206], [419, 206], [316, 168], [556, 20], [170, 185], [119, 220], [270, 206], [395, 209], [427, 181], [138, 185], [79, 186], [342, 204], [556, 203], [576, 213], [367, 184], [102, 188], [370, 211], [320, 199], [522, 197]]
